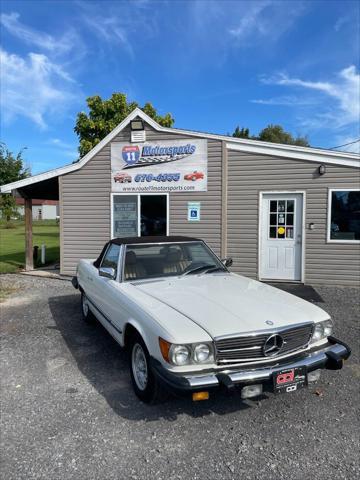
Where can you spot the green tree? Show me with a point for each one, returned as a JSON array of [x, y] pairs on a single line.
[[105, 115], [276, 134], [241, 132], [11, 169], [273, 134]]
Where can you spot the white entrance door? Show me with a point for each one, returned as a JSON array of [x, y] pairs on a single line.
[[281, 236]]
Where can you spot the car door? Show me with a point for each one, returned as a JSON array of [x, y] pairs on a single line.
[[106, 296]]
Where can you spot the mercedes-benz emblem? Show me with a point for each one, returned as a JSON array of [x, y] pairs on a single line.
[[273, 345]]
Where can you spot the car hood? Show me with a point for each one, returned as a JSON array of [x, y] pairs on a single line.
[[226, 304]]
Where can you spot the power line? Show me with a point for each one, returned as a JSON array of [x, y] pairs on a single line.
[[345, 144]]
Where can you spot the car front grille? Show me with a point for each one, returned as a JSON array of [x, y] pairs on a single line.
[[251, 346]]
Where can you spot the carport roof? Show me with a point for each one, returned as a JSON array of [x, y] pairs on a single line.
[[310, 154]]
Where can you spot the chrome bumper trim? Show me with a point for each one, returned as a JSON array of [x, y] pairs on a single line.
[[312, 360]]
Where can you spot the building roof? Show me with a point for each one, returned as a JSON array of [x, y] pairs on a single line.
[[291, 152]]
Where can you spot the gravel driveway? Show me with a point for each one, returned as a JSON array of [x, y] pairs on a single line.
[[68, 410]]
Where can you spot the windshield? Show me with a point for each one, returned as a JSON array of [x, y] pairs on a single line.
[[170, 259]]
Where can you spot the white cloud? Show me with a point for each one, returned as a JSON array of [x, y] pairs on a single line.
[[285, 100], [343, 94], [121, 23], [341, 21], [42, 40], [264, 19], [67, 149], [34, 87]]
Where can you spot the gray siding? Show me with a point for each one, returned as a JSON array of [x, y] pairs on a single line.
[[85, 198], [325, 263]]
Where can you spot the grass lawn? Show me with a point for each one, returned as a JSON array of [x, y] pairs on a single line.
[[12, 244]]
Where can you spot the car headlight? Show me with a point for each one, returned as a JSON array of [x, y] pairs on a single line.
[[201, 353], [179, 354], [322, 330], [192, 353]]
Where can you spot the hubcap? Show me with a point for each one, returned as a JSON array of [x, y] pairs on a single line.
[[85, 306], [139, 366]]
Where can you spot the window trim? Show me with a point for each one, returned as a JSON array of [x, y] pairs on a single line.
[[138, 195], [328, 223]]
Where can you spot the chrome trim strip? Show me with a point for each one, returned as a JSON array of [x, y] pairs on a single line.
[[240, 349], [263, 332], [254, 359]]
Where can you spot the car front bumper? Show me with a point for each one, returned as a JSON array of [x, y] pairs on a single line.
[[330, 357]]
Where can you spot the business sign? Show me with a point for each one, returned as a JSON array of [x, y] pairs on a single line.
[[162, 166], [193, 212]]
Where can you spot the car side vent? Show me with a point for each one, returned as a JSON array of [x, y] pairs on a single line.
[[138, 136]]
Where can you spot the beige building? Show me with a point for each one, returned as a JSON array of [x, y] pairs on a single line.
[[283, 213]]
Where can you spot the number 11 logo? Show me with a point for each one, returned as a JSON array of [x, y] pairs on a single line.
[[131, 154]]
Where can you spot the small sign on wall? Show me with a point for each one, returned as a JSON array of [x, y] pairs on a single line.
[[193, 211]]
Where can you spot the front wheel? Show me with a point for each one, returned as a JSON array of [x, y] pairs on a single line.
[[145, 384], [87, 314]]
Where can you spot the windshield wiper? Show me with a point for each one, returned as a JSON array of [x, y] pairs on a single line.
[[198, 269], [214, 269]]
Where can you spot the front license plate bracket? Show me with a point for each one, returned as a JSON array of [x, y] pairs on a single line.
[[290, 379]]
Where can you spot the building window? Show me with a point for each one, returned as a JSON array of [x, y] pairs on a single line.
[[344, 216]]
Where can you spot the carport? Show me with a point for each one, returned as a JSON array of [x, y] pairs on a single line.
[[47, 189]]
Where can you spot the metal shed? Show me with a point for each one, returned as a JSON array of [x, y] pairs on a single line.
[[283, 213]]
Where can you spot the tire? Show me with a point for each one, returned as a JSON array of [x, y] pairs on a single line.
[[87, 314], [145, 384]]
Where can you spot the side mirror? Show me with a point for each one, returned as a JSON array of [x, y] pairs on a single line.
[[107, 272], [227, 261]]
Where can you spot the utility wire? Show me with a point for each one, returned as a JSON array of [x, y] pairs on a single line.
[[345, 144]]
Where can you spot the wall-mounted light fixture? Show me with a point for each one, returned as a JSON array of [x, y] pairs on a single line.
[[322, 170], [311, 226], [137, 125]]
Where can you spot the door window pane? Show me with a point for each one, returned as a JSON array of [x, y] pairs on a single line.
[[272, 232], [345, 215], [281, 206], [289, 232], [281, 232], [273, 205], [290, 219], [289, 205], [281, 219], [272, 219], [111, 257], [125, 216]]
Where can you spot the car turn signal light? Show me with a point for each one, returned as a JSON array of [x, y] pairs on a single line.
[[164, 349], [196, 396]]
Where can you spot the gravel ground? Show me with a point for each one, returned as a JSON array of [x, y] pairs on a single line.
[[68, 410]]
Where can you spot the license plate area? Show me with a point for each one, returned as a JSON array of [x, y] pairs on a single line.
[[289, 380]]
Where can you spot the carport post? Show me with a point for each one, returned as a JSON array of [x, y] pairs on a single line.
[[29, 262]]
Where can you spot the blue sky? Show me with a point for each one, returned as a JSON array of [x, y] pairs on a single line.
[[212, 64]]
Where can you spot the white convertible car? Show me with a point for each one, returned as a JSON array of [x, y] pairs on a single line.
[[193, 327]]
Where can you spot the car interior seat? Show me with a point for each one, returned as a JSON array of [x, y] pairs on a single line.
[[133, 268], [174, 261]]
